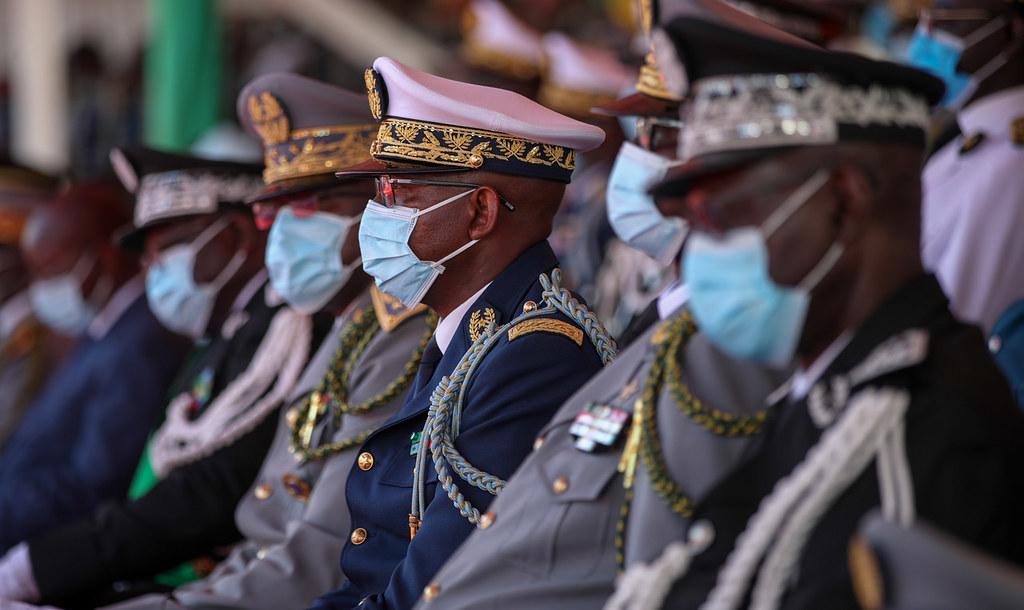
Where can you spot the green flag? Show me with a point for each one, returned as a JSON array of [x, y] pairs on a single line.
[[183, 72]]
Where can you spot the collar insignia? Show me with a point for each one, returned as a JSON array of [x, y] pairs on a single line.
[[480, 321], [390, 311]]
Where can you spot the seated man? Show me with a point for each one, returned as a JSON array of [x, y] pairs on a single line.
[[806, 248], [26, 354], [83, 434], [468, 181], [293, 519], [638, 444], [205, 277]]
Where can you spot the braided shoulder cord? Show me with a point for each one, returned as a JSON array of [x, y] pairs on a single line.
[[446, 402], [331, 394], [670, 344]]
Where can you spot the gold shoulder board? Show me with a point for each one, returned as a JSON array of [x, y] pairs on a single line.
[[547, 325]]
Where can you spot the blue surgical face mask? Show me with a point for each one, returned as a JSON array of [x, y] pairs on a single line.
[[938, 52], [384, 242], [631, 210], [304, 258], [59, 303], [176, 300], [734, 299]]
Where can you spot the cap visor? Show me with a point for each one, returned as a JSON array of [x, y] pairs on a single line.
[[378, 168], [295, 186], [680, 179], [638, 104], [129, 238]]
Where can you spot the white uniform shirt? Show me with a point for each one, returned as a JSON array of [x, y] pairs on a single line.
[[973, 212]]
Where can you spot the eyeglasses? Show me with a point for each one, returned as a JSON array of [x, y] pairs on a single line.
[[303, 206], [386, 189], [653, 133]]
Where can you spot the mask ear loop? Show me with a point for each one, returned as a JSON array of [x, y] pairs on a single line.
[[233, 265], [441, 204], [785, 211], [794, 202], [991, 66], [104, 285]]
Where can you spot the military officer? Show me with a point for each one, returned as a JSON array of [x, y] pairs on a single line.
[[647, 249], [636, 447], [468, 181], [26, 357], [804, 248], [293, 518], [67, 455], [205, 276], [971, 215]]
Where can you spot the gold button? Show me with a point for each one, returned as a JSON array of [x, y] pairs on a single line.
[[431, 591], [560, 485], [538, 443], [358, 536], [365, 460], [263, 491], [486, 520], [529, 306]]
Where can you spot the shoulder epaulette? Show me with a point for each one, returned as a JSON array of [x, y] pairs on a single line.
[[829, 396], [546, 325]]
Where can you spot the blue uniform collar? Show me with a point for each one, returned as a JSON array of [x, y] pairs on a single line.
[[507, 292], [504, 296]]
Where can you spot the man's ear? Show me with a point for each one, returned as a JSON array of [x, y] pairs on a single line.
[[856, 194], [484, 204]]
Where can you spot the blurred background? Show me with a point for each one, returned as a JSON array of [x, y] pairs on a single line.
[[79, 76]]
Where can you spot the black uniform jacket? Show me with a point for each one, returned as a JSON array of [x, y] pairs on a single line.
[[188, 513], [964, 439]]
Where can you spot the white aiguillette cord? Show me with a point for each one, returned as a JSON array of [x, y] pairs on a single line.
[[872, 425], [243, 404]]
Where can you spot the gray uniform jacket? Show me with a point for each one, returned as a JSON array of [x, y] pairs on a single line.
[[551, 541], [291, 547]]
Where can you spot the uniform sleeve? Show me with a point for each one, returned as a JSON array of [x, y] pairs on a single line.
[[112, 432], [516, 391], [303, 566], [188, 513]]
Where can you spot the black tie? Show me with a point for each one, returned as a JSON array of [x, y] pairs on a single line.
[[431, 356]]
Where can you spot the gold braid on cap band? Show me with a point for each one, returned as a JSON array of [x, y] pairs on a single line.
[[450, 145], [318, 150]]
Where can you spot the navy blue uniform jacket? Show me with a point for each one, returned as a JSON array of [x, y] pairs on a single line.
[[516, 390], [81, 439]]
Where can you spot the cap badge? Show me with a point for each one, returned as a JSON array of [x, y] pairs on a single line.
[[376, 93], [269, 118]]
